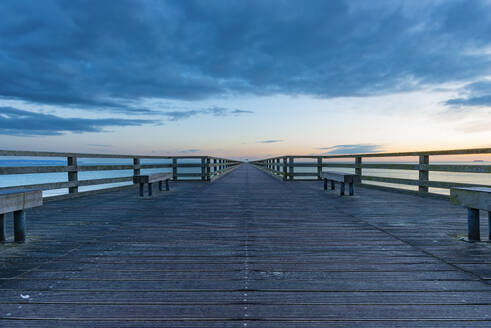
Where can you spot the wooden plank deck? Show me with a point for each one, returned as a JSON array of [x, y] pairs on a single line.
[[246, 251]]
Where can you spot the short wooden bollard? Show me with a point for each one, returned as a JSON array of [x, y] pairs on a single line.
[[17, 201]]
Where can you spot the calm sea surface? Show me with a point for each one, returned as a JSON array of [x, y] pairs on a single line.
[[27, 179]]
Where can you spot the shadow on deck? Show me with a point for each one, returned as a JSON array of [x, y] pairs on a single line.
[[246, 251]]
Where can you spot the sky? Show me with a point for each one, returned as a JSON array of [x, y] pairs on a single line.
[[244, 79]]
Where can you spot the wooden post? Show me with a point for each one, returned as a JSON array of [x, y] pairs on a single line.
[[285, 172], [72, 174], [19, 226], [424, 160], [341, 189], [3, 228], [136, 166], [473, 230], [278, 166], [203, 169], [208, 168], [489, 225], [290, 168], [215, 168], [319, 167], [174, 169], [358, 169]]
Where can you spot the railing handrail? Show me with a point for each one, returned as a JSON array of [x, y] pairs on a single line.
[[209, 167], [467, 151], [284, 166]]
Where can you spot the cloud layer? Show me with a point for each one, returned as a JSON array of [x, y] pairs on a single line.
[[270, 141], [351, 149], [474, 94], [103, 55], [25, 123]]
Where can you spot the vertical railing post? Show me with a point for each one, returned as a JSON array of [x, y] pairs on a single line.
[[3, 228], [358, 169], [136, 166], [424, 160], [285, 168], [203, 169], [319, 167], [72, 169], [291, 177], [278, 166], [215, 168], [208, 168], [174, 169]]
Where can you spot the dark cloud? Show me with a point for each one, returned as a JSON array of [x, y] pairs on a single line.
[[25, 123], [270, 141], [474, 94], [215, 111], [102, 55], [351, 149], [240, 111]]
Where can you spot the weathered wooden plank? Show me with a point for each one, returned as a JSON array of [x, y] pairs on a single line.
[[150, 178], [477, 197], [338, 177], [18, 200]]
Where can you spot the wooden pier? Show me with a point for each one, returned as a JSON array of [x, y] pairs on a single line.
[[247, 250]]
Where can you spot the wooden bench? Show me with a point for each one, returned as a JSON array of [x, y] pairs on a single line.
[[151, 178], [341, 178], [17, 201], [474, 199]]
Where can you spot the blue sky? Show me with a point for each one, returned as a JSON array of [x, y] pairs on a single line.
[[244, 78]]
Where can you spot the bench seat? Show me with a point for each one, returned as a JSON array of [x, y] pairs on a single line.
[[341, 178], [474, 199], [151, 178], [16, 201]]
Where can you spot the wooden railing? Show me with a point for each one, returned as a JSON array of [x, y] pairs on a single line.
[[284, 167], [207, 168]]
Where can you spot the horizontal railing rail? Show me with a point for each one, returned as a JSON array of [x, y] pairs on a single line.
[[285, 167], [189, 168]]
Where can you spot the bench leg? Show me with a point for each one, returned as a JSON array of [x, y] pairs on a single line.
[[167, 185], [351, 190], [3, 229], [141, 189], [150, 189], [332, 185], [473, 232], [160, 186], [489, 225], [341, 191], [19, 226], [325, 184]]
